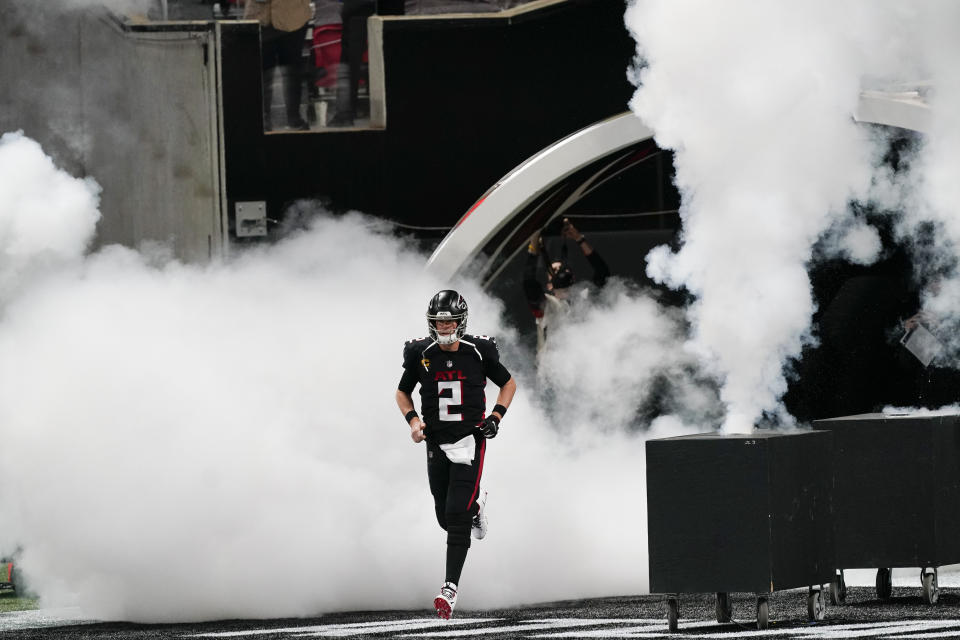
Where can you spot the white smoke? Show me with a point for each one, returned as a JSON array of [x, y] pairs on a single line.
[[949, 410], [47, 218], [637, 344], [756, 99], [185, 442], [931, 191], [856, 241]]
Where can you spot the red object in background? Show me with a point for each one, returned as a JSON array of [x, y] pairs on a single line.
[[326, 51]]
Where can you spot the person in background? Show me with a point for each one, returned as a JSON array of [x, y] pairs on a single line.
[[353, 44], [452, 369], [283, 27], [935, 383], [549, 303]]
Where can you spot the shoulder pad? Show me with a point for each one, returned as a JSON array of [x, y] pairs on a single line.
[[486, 346], [413, 351], [413, 348]]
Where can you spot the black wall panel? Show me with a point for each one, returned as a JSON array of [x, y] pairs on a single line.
[[467, 100]]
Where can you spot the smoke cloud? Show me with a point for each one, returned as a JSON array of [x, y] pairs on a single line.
[[48, 218], [636, 344], [186, 442], [928, 189], [756, 99]]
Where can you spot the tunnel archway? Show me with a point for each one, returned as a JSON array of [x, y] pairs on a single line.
[[548, 184]]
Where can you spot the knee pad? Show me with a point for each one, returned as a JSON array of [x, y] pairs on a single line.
[[458, 528]]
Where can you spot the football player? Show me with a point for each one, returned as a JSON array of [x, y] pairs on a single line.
[[452, 368]]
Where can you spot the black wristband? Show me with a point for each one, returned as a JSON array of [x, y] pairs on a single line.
[[499, 408], [410, 415], [582, 240]]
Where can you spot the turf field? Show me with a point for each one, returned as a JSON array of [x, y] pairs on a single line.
[[902, 617], [10, 601]]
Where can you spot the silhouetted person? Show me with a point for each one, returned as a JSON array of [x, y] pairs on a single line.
[[550, 302], [353, 43], [283, 27]]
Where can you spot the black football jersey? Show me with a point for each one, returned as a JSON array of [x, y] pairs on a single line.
[[452, 399]]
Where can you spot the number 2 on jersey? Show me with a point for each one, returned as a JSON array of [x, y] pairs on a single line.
[[455, 400]]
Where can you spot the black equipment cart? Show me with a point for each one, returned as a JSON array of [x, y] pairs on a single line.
[[897, 496], [740, 513]]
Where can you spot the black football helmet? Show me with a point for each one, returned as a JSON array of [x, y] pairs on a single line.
[[447, 305]]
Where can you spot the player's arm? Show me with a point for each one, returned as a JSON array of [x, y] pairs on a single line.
[[600, 269], [505, 397], [405, 401], [498, 373]]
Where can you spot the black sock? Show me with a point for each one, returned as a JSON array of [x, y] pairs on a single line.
[[456, 556]]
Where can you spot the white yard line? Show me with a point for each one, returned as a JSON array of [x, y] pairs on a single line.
[[398, 625], [858, 630], [352, 628], [530, 625], [618, 632], [606, 628]]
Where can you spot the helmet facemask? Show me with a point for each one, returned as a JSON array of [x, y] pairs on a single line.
[[446, 316]]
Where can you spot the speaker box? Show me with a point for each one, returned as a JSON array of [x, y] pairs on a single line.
[[740, 513], [896, 489]]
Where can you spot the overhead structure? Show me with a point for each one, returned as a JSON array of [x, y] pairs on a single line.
[[539, 190], [546, 185]]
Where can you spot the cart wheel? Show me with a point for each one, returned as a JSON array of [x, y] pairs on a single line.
[[838, 589], [724, 608], [930, 591], [884, 583], [763, 613], [673, 613], [816, 606]]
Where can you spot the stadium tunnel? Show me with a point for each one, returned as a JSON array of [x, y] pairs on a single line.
[[616, 185], [610, 179]]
